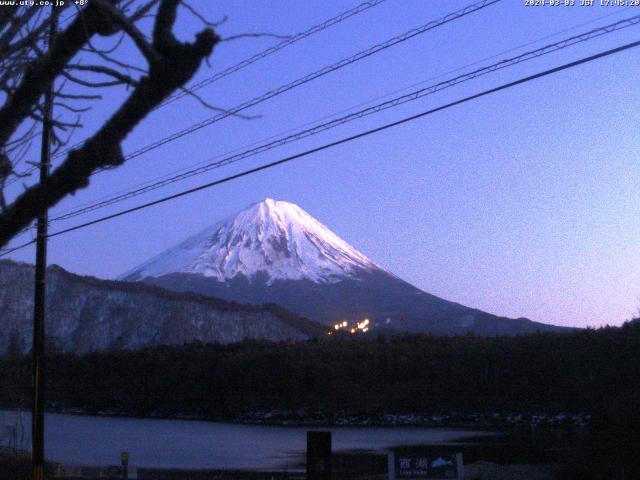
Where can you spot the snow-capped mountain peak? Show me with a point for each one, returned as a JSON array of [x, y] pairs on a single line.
[[274, 237]]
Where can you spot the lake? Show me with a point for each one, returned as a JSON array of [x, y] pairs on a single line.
[[155, 443]]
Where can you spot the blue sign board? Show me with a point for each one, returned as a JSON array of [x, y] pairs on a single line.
[[426, 465]]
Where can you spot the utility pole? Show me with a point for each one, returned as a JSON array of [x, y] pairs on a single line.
[[37, 414]]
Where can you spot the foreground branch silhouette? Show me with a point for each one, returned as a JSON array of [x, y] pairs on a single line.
[[170, 64]]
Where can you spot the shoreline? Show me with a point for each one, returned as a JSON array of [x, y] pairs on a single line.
[[492, 421]]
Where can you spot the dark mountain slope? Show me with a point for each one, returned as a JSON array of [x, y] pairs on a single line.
[[274, 251], [86, 314], [391, 303]]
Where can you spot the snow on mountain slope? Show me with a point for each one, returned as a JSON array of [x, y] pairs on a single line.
[[274, 252], [274, 237]]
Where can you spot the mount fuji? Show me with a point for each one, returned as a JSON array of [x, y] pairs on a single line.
[[275, 252], [274, 239]]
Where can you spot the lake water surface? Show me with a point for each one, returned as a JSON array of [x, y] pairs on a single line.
[[93, 441]]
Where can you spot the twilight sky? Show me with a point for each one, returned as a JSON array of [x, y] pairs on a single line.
[[523, 203]]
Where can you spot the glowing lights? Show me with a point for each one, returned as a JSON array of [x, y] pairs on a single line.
[[362, 325], [359, 327]]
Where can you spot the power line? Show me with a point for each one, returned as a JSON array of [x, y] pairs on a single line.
[[335, 114], [155, 183], [400, 100], [166, 180], [307, 78], [8, 251], [285, 43], [303, 80], [314, 75], [260, 55], [366, 133]]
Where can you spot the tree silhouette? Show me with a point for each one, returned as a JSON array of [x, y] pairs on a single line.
[[30, 65]]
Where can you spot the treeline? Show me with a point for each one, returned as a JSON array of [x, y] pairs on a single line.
[[590, 371]]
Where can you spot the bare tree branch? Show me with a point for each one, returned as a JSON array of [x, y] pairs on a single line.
[[130, 28], [78, 97], [143, 10], [91, 84], [176, 63], [41, 73], [200, 17], [254, 35], [105, 71], [207, 105], [70, 108]]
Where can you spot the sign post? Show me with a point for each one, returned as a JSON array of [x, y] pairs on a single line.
[[425, 465], [318, 455], [124, 459]]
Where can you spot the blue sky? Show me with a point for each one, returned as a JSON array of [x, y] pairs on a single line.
[[524, 203]]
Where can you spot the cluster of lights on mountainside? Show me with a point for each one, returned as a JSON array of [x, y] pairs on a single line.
[[360, 327]]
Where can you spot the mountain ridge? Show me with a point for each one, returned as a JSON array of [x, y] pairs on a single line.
[[275, 252], [88, 314], [271, 236]]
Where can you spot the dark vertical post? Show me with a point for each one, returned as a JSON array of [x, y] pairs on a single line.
[[318, 455], [124, 459], [37, 415]]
